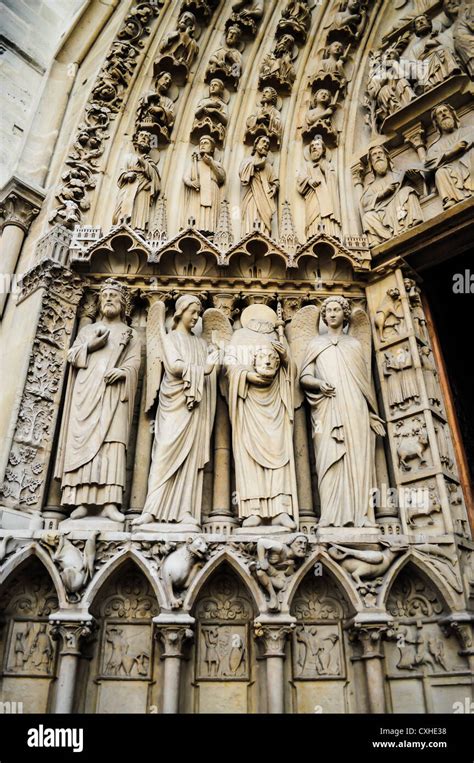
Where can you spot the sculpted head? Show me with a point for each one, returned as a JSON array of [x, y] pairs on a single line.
[[207, 145], [284, 45], [444, 118], [317, 148], [187, 23], [187, 311], [142, 141], [261, 146], [299, 546], [163, 82], [113, 299], [451, 7], [422, 25], [336, 49], [269, 95], [322, 96], [379, 160], [335, 312], [266, 361], [216, 87], [233, 36]]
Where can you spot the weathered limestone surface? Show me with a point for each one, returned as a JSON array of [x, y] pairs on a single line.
[[229, 473]]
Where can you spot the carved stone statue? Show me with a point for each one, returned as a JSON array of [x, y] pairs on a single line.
[[387, 84], [348, 21], [179, 48], [267, 120], [226, 62], [318, 185], [260, 395], [261, 183], [181, 361], [430, 373], [211, 116], [181, 566], [139, 184], [318, 118], [76, 567], [402, 387], [276, 562], [389, 318], [434, 52], [335, 375], [330, 73], [463, 35], [156, 111], [365, 563], [389, 204], [203, 180], [246, 14], [295, 20], [98, 409], [277, 68], [451, 156]]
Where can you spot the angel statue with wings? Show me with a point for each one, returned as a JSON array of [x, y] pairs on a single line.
[[336, 378], [182, 366], [260, 383]]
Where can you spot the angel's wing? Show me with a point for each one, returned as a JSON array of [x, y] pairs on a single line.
[[216, 328], [155, 330], [303, 327], [359, 327]]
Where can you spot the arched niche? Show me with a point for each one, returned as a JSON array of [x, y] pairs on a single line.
[[120, 666], [28, 653], [424, 667], [221, 674], [323, 262], [319, 668]]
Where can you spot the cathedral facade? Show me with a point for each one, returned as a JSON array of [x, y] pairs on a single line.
[[237, 440]]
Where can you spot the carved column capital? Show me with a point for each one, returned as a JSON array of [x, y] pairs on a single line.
[[71, 634], [274, 636], [290, 305], [173, 638], [415, 136], [19, 204], [464, 633], [370, 637], [357, 171]]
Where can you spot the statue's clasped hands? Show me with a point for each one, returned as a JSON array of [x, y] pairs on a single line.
[[114, 375]]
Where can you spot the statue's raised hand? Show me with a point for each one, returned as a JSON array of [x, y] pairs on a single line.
[[99, 340]]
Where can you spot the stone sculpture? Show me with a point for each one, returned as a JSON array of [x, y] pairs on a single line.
[[277, 68], [181, 566], [261, 184], [211, 115], [156, 110], [203, 180], [318, 186], [318, 118], [451, 156], [433, 51], [76, 567], [389, 204], [105, 361], [276, 562], [335, 376], [139, 184], [181, 366], [226, 62], [179, 48], [267, 120]]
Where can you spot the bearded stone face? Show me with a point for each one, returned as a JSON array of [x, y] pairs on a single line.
[[379, 161], [445, 119], [110, 303]]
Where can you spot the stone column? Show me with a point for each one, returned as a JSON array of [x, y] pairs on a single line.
[[19, 205], [173, 632], [71, 633], [274, 637], [303, 472], [369, 636]]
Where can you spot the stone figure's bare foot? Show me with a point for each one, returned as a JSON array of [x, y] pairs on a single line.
[[252, 521], [78, 513], [143, 519], [284, 520], [188, 519], [111, 511]]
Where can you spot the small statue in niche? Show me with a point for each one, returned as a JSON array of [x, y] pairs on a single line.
[[179, 49], [139, 184], [261, 409], [181, 366], [431, 377], [105, 360], [390, 205], [336, 379], [387, 84], [416, 308], [389, 320], [412, 442], [402, 387], [318, 185], [156, 111], [211, 115], [246, 14], [331, 74], [203, 9], [203, 180], [434, 52], [261, 184], [348, 21], [277, 68], [295, 20], [318, 118], [267, 120], [276, 562], [226, 62], [451, 156]]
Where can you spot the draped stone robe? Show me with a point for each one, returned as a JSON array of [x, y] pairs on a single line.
[[322, 202], [257, 203], [135, 196], [181, 445], [454, 178], [344, 443], [262, 432], [203, 205], [97, 417], [396, 212]]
